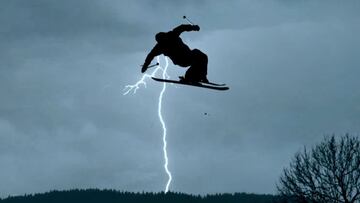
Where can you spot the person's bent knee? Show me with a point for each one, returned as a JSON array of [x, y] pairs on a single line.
[[200, 55]]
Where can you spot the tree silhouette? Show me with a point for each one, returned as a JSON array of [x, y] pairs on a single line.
[[329, 173], [113, 196]]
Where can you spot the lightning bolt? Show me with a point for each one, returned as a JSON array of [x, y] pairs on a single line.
[[134, 88]]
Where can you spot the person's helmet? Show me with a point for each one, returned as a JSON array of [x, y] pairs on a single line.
[[161, 36]]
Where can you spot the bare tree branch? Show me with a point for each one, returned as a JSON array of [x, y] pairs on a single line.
[[329, 173]]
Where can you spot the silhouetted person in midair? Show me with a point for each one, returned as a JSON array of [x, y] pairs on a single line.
[[171, 45]]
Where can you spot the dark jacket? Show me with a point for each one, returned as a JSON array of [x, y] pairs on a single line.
[[171, 45]]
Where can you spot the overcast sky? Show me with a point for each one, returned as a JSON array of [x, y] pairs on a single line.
[[292, 66]]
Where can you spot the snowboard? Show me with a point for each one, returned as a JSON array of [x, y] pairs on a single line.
[[209, 85]]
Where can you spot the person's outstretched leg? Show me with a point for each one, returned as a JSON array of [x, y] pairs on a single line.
[[198, 69]]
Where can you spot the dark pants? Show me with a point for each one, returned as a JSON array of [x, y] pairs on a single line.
[[198, 68]]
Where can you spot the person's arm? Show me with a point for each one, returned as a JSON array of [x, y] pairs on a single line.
[[154, 52], [185, 27]]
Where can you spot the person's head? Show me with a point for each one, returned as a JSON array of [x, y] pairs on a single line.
[[160, 37]]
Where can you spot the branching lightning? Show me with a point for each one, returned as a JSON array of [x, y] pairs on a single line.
[[134, 88]]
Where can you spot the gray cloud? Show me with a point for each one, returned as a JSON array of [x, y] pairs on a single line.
[[292, 68]]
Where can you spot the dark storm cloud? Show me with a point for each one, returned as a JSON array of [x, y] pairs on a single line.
[[65, 19], [292, 67]]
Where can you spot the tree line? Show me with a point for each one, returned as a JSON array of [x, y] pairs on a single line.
[[113, 196]]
